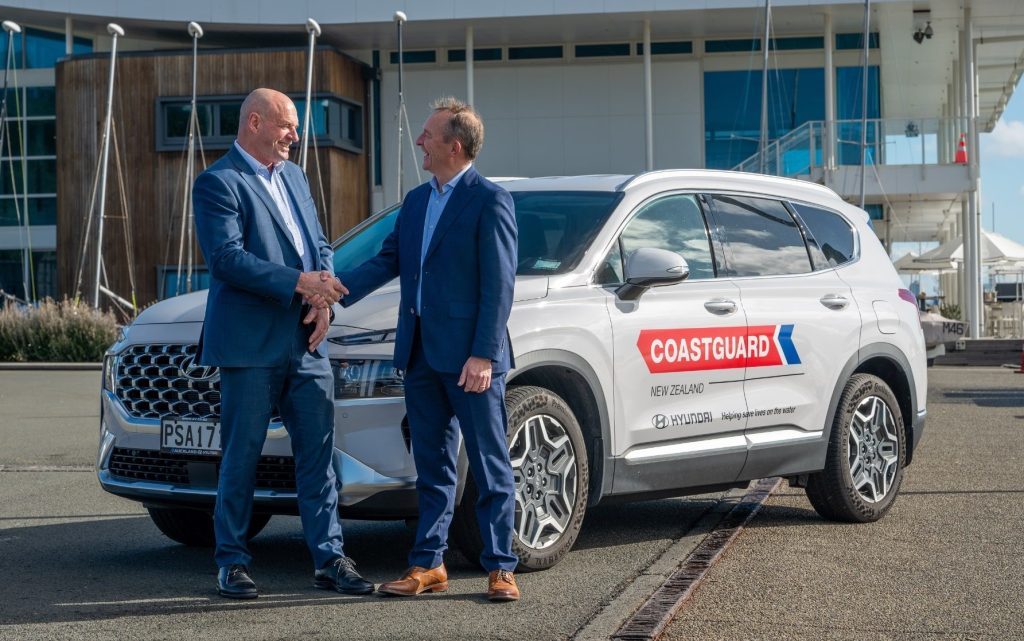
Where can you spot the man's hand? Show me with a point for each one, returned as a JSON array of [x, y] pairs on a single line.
[[322, 318], [476, 375], [321, 289]]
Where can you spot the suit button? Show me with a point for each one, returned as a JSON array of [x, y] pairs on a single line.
[[412, 310]]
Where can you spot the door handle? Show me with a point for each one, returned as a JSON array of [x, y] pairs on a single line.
[[720, 306], [835, 301]]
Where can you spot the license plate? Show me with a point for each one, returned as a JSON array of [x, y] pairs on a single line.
[[186, 436]]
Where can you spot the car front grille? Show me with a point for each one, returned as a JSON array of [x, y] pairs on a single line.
[[163, 380], [272, 472], [154, 381]]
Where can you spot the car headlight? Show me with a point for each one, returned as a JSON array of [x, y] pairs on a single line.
[[110, 372], [366, 379]]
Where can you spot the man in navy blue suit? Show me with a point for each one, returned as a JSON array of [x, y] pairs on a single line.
[[267, 313], [453, 249]]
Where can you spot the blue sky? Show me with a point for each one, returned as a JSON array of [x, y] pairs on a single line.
[[1002, 172]]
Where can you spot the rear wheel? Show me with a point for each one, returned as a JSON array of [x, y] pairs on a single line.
[[195, 527], [552, 477], [866, 454]]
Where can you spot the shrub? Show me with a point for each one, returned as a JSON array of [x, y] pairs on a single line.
[[65, 331], [950, 311]]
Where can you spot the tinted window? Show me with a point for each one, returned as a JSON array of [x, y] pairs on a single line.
[[674, 223], [831, 239], [761, 238], [555, 229]]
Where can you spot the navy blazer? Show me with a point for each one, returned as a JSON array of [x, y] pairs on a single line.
[[252, 310], [468, 275]]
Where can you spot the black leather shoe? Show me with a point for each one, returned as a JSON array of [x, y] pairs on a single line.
[[340, 575], [234, 582]]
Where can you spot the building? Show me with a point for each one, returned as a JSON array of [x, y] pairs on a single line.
[[587, 86]]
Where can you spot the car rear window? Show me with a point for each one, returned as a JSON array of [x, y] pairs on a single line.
[[831, 237]]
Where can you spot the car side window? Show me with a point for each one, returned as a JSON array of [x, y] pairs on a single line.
[[831, 236], [675, 223], [760, 237]]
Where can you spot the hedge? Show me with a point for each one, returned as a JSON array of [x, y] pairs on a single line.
[[65, 331]]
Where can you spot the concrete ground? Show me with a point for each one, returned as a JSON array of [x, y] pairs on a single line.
[[77, 563]]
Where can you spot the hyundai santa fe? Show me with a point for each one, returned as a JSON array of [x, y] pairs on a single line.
[[674, 332]]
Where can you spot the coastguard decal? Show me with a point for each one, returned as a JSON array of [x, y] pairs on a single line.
[[705, 348]]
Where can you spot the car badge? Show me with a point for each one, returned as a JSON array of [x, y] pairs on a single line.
[[199, 373]]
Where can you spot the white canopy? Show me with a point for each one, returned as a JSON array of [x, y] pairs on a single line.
[[910, 263], [995, 248]]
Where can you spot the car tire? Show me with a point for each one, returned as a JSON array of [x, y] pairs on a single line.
[[194, 528], [866, 455], [550, 469]]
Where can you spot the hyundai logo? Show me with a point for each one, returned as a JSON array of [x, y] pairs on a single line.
[[660, 421], [200, 373]]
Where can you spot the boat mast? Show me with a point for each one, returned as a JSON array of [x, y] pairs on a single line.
[[314, 32], [762, 160], [864, 106], [115, 31]]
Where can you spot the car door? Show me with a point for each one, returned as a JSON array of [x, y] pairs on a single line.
[[803, 321], [678, 381]]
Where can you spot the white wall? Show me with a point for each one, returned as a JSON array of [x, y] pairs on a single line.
[[556, 119]]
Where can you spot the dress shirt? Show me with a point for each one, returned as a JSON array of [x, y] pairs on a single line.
[[439, 195], [270, 178]]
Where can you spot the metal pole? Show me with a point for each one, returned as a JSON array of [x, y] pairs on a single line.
[[864, 105], [469, 64], [764, 87], [829, 148], [648, 97], [115, 31], [12, 28], [974, 231], [314, 32], [399, 21], [196, 32]]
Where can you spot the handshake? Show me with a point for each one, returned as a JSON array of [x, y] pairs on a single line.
[[320, 289]]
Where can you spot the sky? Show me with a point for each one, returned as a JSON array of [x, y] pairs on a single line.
[[1002, 172]]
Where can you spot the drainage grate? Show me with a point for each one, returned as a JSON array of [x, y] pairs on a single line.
[[650, 621]]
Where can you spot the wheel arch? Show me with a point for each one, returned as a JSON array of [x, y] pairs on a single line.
[[891, 365], [576, 382]]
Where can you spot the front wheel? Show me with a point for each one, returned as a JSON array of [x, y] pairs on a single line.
[[194, 528], [552, 479], [866, 455]]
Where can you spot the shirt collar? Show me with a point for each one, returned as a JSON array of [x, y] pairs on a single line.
[[256, 165], [451, 183]]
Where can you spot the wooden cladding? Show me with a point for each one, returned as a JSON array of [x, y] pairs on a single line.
[[146, 194]]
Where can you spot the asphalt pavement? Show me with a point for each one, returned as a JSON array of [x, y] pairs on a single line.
[[77, 563]]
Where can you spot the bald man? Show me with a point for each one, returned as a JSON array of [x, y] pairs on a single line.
[[267, 313]]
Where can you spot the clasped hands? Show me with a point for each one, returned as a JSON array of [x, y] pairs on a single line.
[[321, 290]]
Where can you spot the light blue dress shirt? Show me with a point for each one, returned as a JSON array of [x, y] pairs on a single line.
[[439, 195], [270, 177]]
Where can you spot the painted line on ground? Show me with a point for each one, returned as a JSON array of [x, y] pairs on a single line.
[[46, 468], [650, 621]]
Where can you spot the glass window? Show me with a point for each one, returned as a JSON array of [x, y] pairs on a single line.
[[31, 101], [171, 284], [43, 273], [535, 53], [663, 48], [479, 55], [41, 137], [38, 49], [732, 112], [760, 238], [555, 229], [176, 120], [830, 235], [674, 223], [414, 57], [42, 210], [42, 177]]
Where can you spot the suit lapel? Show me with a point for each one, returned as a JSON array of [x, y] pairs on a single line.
[[306, 218], [260, 190], [463, 195], [416, 213]]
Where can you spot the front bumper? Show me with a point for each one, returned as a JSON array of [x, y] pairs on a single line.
[[371, 460]]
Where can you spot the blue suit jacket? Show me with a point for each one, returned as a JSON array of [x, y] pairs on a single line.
[[252, 310], [468, 275]]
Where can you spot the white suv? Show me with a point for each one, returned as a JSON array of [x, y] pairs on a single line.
[[674, 332]]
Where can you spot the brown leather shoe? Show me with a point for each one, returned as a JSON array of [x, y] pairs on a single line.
[[501, 586], [417, 580]]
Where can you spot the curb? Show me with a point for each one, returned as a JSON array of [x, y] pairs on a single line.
[[69, 367]]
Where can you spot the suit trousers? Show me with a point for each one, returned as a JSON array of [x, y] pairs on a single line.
[[438, 409], [303, 390]]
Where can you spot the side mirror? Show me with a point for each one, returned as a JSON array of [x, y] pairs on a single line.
[[650, 267]]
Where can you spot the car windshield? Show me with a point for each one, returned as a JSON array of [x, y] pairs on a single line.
[[555, 229]]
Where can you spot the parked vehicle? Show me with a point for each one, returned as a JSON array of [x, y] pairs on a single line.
[[674, 332]]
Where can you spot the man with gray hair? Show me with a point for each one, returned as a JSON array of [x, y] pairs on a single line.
[[267, 313], [453, 249]]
